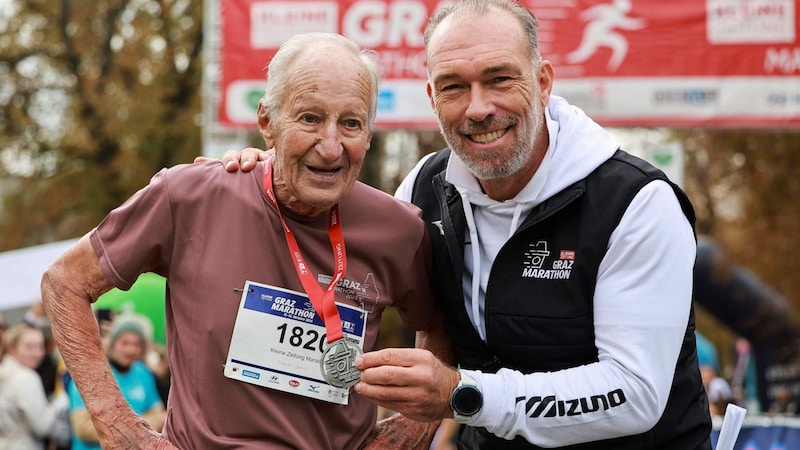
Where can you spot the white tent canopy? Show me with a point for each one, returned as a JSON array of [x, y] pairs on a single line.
[[21, 273]]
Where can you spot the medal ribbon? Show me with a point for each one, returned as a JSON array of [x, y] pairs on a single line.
[[321, 300]]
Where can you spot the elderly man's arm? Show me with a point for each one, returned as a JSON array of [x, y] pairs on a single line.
[[69, 286], [400, 432]]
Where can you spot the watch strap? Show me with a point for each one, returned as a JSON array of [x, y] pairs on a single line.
[[468, 383]]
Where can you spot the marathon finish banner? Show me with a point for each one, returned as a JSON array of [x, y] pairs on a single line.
[[729, 63]]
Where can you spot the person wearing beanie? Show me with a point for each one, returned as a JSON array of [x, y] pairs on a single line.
[[128, 322], [127, 342], [717, 388]]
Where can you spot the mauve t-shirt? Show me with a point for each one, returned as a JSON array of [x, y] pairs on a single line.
[[208, 231]]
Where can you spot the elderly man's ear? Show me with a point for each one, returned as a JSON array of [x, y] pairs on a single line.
[[263, 125]]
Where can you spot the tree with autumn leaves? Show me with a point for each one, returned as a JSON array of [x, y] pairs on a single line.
[[95, 97]]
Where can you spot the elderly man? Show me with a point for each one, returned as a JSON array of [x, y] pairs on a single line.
[[276, 279]]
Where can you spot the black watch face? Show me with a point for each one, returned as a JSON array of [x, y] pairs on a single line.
[[467, 400]]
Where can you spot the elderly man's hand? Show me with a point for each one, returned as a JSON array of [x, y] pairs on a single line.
[[244, 160], [133, 435]]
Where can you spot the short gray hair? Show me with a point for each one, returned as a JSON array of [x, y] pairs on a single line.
[[279, 70], [471, 8]]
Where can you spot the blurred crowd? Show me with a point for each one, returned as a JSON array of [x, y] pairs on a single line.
[[736, 383], [40, 409]]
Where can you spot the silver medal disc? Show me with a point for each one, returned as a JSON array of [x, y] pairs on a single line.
[[338, 364]]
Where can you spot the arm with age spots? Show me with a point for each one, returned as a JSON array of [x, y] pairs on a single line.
[[69, 286], [400, 432], [416, 382]]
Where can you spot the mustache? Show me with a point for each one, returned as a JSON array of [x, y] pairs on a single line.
[[487, 125]]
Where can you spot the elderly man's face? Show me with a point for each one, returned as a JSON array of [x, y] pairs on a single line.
[[321, 131]]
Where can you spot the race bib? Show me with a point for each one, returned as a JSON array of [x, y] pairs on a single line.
[[278, 341]]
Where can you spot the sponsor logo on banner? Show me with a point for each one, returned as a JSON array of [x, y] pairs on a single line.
[[750, 22], [243, 97], [272, 23], [688, 96]]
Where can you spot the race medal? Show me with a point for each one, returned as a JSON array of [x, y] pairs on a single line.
[[338, 364]]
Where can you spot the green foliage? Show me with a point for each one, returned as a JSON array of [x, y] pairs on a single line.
[[96, 97]]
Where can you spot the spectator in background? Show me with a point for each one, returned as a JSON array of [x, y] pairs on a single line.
[[156, 360], [717, 388], [3, 326], [127, 341], [104, 318], [26, 417], [48, 368], [744, 380], [784, 404], [35, 316], [50, 373]]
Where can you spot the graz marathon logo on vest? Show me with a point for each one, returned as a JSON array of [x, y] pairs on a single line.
[[537, 263]]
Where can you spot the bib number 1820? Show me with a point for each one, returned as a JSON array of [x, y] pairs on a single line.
[[300, 337]]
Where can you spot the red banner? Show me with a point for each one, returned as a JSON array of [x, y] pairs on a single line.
[[626, 62]]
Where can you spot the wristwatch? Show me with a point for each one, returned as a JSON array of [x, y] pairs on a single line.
[[466, 399]]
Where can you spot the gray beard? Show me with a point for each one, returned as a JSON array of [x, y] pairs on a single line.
[[520, 154]]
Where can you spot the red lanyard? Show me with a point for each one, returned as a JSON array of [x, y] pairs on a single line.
[[321, 300]]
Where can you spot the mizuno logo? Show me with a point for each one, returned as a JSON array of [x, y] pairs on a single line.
[[549, 406]]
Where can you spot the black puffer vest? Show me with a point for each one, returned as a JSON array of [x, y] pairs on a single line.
[[555, 253]]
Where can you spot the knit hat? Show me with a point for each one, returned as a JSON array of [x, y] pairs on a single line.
[[706, 352], [130, 322]]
